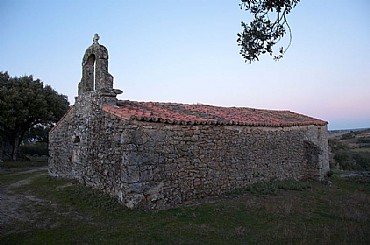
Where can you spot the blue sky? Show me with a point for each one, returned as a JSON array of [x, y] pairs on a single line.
[[185, 51]]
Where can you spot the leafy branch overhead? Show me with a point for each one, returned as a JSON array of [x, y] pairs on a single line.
[[261, 34]]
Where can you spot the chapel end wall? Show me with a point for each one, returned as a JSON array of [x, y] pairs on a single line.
[[60, 151], [72, 145]]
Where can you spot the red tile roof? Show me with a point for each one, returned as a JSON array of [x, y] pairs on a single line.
[[207, 115]]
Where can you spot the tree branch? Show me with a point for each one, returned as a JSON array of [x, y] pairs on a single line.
[[261, 34]]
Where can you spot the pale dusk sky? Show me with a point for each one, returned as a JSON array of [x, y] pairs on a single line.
[[185, 51]]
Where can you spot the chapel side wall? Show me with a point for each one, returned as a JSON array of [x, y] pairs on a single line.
[[156, 165]]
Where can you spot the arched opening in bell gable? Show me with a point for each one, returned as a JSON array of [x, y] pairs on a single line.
[[90, 69]]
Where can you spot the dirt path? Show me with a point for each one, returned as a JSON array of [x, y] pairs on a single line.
[[22, 211], [19, 208]]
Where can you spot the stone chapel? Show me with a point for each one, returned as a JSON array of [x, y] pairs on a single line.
[[156, 155]]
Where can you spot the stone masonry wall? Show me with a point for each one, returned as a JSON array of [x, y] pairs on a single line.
[[156, 165]]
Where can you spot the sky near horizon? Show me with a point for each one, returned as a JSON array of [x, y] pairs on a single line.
[[185, 51]]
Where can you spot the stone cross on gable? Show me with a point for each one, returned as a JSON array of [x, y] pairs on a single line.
[[96, 38]]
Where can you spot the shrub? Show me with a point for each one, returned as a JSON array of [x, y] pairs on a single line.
[[40, 149], [337, 145], [363, 140], [348, 136], [352, 160]]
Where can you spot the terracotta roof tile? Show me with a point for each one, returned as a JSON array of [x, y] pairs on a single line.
[[207, 115]]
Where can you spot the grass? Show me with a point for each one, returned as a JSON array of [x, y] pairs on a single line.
[[281, 212], [273, 187], [11, 165]]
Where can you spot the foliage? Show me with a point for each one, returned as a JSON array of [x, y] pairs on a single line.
[[345, 160], [352, 160], [363, 141], [261, 34], [336, 145], [349, 158], [38, 148], [25, 103], [348, 136], [37, 133]]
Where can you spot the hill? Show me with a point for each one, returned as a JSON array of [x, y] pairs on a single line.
[[350, 149]]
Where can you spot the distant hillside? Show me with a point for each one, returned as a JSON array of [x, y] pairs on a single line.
[[350, 149], [343, 131]]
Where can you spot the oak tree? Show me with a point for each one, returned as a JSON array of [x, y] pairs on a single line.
[[268, 26], [24, 103]]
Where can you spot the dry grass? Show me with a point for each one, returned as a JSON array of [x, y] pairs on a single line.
[[63, 212]]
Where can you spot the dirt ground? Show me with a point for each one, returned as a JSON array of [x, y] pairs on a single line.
[[21, 211], [20, 208]]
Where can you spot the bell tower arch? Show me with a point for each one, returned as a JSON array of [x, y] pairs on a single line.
[[95, 75], [89, 73]]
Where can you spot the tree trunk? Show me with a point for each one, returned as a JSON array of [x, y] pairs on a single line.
[[15, 149], [11, 141], [16, 143], [6, 147]]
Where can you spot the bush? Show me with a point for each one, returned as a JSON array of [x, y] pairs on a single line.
[[345, 160], [39, 149], [348, 136], [363, 160], [363, 140], [337, 145], [352, 160]]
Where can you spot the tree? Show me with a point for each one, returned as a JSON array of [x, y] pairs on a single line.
[[25, 103], [37, 134], [261, 34]]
